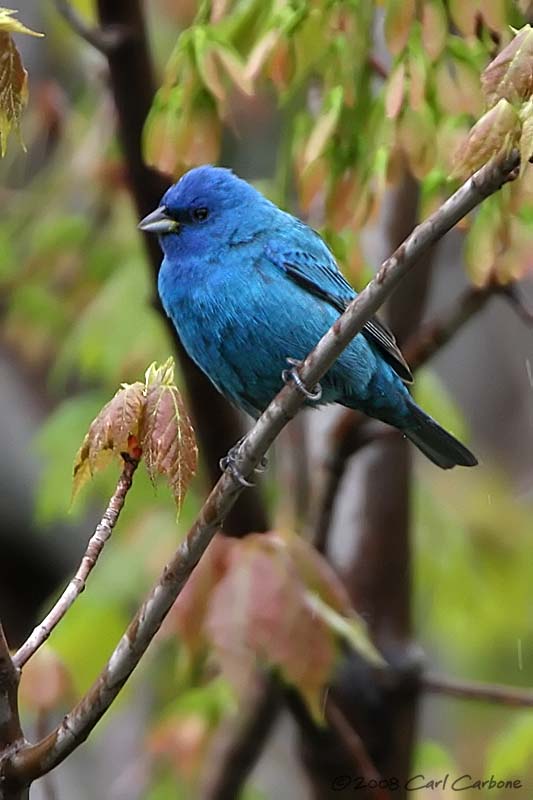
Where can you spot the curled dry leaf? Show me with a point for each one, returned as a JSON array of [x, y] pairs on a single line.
[[510, 75]]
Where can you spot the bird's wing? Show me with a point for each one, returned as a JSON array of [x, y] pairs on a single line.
[[313, 267]]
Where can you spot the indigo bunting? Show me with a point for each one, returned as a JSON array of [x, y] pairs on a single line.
[[248, 286]]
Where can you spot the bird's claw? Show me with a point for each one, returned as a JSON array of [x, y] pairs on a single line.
[[292, 375], [228, 464]]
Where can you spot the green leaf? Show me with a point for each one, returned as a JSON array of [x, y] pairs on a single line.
[[511, 753]]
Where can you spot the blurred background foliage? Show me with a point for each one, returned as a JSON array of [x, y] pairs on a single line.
[[324, 105]]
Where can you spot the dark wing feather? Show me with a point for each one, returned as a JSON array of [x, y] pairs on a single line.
[[315, 269]]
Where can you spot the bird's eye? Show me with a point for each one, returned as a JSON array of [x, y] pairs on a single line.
[[200, 214]]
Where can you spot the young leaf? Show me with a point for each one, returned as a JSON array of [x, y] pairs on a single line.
[[394, 92], [434, 28], [399, 19], [496, 131], [279, 603], [526, 135], [13, 76], [115, 430], [166, 434], [510, 75]]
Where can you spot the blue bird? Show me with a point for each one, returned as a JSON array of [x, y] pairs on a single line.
[[248, 286]]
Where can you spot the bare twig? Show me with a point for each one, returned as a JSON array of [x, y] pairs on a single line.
[[511, 292], [32, 761], [354, 746], [103, 532], [106, 40], [485, 692]]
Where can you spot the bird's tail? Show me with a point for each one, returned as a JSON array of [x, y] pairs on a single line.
[[437, 444]]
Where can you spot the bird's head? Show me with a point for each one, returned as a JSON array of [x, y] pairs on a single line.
[[205, 205]]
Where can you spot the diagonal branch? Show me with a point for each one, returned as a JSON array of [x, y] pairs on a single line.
[[103, 532], [470, 690], [33, 761]]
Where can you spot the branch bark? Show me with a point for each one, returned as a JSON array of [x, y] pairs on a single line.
[[103, 532], [31, 762], [485, 692], [11, 735]]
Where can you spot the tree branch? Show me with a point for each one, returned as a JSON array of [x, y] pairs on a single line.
[[103, 39], [31, 762], [103, 532], [11, 735], [486, 692]]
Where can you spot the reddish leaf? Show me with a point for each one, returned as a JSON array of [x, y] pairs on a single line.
[[110, 433], [260, 54], [45, 682], [166, 434], [434, 28], [417, 136], [324, 127], [495, 132], [394, 92], [280, 604], [510, 74], [464, 14]]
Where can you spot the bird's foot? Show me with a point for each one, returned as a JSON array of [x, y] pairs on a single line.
[[292, 375], [228, 464]]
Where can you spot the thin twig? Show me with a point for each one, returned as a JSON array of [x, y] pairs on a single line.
[[354, 746], [239, 743], [512, 293], [32, 761], [106, 40], [485, 692], [103, 532]]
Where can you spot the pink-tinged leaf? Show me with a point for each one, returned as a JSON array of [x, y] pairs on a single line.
[[497, 131], [166, 434], [188, 613], [494, 13], [260, 54], [417, 81], [234, 68], [417, 138], [458, 88], [115, 430], [526, 136], [45, 683], [434, 28], [210, 73], [181, 741], [510, 75], [394, 92], [312, 181], [464, 15], [281, 66], [280, 604], [399, 19]]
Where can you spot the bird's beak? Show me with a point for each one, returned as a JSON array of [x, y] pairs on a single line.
[[159, 222]]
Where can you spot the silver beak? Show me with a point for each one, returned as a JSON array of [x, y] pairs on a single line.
[[159, 222]]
